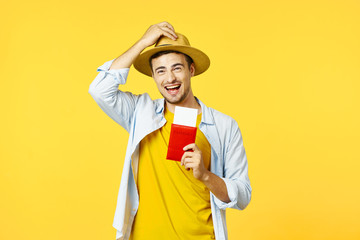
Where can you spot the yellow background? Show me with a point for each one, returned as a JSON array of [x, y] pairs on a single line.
[[287, 71]]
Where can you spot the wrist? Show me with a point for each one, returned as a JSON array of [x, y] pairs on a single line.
[[142, 44], [206, 176]]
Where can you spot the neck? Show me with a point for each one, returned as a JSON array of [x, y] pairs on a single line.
[[189, 102]]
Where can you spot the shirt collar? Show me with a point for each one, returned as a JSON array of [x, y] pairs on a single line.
[[206, 117]]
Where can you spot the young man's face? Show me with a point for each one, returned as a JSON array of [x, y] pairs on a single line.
[[172, 77]]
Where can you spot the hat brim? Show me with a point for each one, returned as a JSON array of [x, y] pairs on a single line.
[[201, 60]]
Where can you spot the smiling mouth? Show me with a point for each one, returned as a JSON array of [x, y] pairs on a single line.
[[173, 89]]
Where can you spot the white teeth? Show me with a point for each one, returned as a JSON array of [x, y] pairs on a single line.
[[172, 87]]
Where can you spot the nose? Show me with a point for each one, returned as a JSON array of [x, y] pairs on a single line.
[[171, 77]]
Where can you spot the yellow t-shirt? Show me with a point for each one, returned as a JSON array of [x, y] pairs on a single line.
[[173, 203]]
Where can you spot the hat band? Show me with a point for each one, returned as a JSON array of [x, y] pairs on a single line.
[[164, 45]]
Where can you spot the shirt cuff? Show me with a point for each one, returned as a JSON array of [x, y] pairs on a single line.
[[231, 190], [119, 75]]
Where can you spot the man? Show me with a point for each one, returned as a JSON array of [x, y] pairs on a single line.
[[160, 198]]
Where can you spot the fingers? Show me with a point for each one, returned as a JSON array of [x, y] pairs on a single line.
[[191, 150], [186, 155], [191, 146], [168, 30], [189, 163], [169, 34], [190, 156], [166, 24], [154, 32], [189, 166]]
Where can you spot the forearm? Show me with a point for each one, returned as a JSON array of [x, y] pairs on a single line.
[[127, 58], [216, 185]]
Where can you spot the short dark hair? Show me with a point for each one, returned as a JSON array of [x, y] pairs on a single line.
[[158, 54]]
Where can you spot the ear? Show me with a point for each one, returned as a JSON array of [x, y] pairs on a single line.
[[192, 69]]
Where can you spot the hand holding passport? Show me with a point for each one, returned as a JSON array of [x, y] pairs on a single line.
[[183, 132]]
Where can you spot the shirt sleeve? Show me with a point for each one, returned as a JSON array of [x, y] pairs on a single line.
[[119, 75], [236, 174], [117, 104]]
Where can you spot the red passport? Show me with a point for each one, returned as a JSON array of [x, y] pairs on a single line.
[[180, 136]]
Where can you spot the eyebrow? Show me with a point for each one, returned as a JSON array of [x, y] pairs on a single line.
[[174, 65], [161, 67], [177, 64]]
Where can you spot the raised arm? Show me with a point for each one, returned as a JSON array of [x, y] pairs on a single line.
[[119, 105], [150, 37]]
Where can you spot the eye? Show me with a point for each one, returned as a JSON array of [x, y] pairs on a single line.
[[177, 68], [161, 71]]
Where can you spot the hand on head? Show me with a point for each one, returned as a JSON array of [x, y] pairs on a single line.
[[154, 32]]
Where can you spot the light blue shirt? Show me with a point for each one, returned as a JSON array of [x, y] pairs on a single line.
[[140, 115]]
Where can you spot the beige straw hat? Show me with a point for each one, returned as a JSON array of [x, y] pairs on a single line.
[[181, 44]]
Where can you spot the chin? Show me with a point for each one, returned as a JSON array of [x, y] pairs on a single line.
[[174, 101]]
